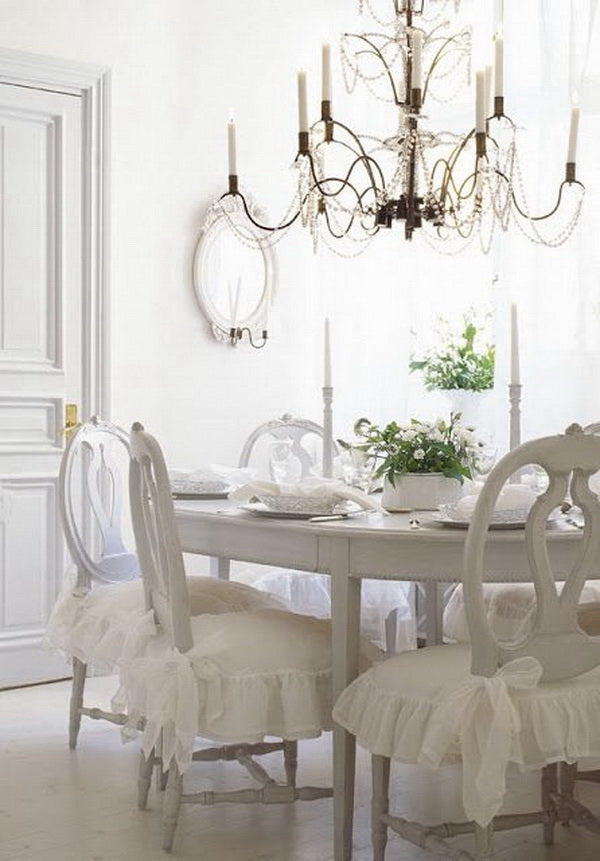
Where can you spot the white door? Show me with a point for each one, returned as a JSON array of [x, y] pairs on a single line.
[[41, 365]]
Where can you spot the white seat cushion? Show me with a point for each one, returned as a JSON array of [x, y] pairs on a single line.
[[510, 608], [249, 675], [109, 624], [425, 707]]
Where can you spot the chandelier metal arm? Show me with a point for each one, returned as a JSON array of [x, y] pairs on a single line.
[[375, 50]]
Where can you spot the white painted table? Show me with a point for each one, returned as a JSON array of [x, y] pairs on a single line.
[[364, 546]]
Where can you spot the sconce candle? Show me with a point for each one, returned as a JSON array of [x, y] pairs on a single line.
[[302, 102], [326, 73], [573, 129], [231, 148], [515, 371]]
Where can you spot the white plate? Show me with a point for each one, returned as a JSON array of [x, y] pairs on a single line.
[[199, 495], [464, 524], [261, 510]]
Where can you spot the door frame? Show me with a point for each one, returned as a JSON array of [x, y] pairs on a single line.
[[92, 84]]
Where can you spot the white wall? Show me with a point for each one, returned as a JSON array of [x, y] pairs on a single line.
[[178, 67]]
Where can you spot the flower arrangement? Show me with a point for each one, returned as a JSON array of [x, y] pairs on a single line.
[[445, 447], [457, 364]]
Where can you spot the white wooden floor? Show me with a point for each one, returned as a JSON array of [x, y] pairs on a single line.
[[58, 805]]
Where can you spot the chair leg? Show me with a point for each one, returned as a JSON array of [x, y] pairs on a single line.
[[380, 772], [290, 760], [484, 842], [568, 775], [144, 779], [172, 803], [549, 788], [79, 674]]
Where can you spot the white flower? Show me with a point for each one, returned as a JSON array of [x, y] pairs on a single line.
[[419, 454], [436, 435], [408, 435]]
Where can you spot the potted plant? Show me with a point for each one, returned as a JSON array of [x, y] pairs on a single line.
[[423, 464], [462, 367]]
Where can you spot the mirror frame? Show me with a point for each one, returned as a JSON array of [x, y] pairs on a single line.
[[227, 213]]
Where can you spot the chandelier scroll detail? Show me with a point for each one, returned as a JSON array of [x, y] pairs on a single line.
[[452, 188]]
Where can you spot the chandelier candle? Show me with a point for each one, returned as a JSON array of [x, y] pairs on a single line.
[[326, 72], [327, 402], [573, 129], [232, 154], [416, 76], [302, 113]]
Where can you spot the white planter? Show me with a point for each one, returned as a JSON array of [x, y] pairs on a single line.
[[473, 406], [423, 491]]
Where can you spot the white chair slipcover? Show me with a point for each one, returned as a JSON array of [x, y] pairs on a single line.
[[534, 703]]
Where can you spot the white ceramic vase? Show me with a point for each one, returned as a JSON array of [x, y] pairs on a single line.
[[419, 490], [473, 406]]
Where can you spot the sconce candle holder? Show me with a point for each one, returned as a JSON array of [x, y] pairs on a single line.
[[236, 334]]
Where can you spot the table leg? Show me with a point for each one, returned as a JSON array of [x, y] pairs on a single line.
[[433, 613], [219, 567], [345, 615]]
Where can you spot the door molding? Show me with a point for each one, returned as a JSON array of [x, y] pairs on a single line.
[[92, 84]]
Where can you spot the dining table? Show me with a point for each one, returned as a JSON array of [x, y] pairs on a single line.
[[409, 547]]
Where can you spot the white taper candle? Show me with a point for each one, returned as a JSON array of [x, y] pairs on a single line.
[[515, 370], [327, 355], [416, 80], [231, 148], [480, 102], [302, 102], [498, 65], [326, 72], [573, 129]]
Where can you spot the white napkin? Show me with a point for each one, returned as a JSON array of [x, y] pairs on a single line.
[[307, 487], [231, 475], [512, 497]]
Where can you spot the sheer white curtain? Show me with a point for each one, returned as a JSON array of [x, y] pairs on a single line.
[[552, 54]]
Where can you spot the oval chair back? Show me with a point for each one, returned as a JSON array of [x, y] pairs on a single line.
[[556, 640], [91, 480], [299, 431], [156, 538]]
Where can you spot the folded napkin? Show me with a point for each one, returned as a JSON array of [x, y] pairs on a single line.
[[230, 475], [307, 487], [512, 497]]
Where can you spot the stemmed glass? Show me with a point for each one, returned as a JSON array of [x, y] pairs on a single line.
[[481, 460], [358, 471], [280, 456]]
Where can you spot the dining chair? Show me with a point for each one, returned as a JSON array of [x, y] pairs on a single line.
[[533, 703], [100, 619], [234, 678], [510, 606], [386, 617]]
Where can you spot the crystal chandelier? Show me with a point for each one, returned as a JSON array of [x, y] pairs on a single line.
[[451, 188]]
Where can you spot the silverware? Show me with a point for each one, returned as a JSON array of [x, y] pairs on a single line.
[[321, 518]]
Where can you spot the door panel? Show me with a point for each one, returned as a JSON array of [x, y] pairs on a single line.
[[40, 360]]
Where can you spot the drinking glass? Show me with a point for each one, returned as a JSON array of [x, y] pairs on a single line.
[[280, 458], [481, 460], [358, 469]]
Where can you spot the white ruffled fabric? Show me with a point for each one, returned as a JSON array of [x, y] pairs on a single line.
[[510, 609], [250, 675], [109, 627], [425, 707]]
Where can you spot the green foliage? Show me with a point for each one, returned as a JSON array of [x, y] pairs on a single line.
[[420, 447], [458, 364]]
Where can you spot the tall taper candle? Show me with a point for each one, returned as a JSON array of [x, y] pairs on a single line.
[[327, 355], [515, 371], [302, 102], [326, 72], [480, 102], [231, 148], [416, 78], [573, 129], [498, 65]]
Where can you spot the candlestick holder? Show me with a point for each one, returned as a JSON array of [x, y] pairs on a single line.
[[514, 394], [236, 334], [327, 431]]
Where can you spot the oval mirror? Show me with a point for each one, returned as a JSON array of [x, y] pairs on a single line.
[[234, 270]]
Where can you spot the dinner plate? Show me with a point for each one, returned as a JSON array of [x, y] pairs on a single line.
[[444, 520], [261, 510], [222, 495]]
